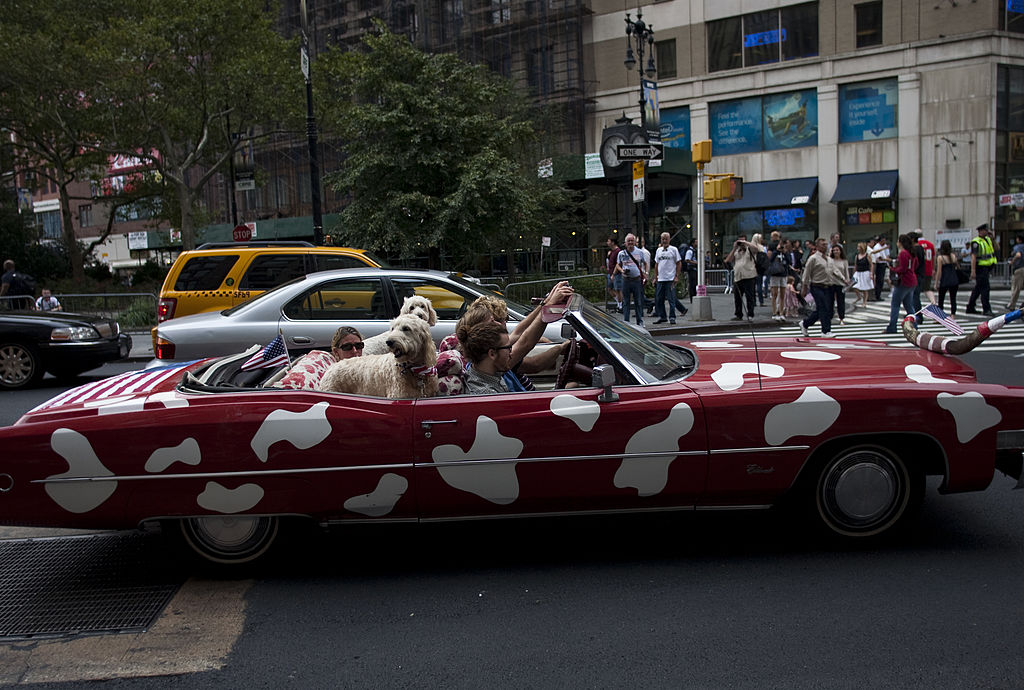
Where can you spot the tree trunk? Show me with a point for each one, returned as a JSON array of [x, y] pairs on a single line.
[[186, 206], [74, 250]]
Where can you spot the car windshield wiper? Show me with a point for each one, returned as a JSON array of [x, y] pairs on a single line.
[[677, 372]]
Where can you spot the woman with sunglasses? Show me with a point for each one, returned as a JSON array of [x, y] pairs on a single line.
[[347, 343]]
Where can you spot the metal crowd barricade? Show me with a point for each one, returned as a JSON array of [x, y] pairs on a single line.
[[131, 309]]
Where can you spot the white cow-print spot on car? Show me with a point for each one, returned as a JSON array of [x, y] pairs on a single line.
[[224, 500], [169, 399], [497, 483], [922, 374], [715, 344], [583, 412], [649, 474], [301, 429], [809, 355], [381, 500], [809, 415], [970, 412], [730, 376], [78, 497], [187, 452]]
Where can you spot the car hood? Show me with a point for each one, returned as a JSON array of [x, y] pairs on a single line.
[[56, 318], [788, 361]]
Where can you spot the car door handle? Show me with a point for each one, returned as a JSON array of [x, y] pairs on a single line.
[[301, 340], [426, 424]]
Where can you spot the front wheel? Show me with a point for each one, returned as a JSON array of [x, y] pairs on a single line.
[[229, 539], [19, 365], [865, 491]]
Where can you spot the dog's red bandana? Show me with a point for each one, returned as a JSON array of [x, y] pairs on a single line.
[[418, 370]]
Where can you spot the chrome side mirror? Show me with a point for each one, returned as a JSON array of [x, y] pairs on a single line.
[[604, 377]]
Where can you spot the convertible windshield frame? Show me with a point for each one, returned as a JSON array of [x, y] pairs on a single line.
[[648, 360]]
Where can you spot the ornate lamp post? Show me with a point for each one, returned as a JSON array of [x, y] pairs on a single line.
[[314, 165], [641, 35]]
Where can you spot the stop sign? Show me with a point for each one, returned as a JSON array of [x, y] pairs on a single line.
[[241, 233]]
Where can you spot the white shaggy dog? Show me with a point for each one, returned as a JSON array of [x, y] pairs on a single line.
[[417, 306], [408, 370]]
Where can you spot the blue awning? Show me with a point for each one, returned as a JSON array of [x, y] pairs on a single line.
[[866, 186], [771, 194]]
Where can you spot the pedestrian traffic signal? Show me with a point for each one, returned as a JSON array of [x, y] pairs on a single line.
[[722, 188]]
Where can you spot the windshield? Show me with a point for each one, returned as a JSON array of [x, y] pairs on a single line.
[[520, 309], [651, 360], [260, 297]]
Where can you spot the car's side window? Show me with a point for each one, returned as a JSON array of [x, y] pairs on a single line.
[[340, 300], [204, 272], [270, 270], [330, 262], [449, 304]]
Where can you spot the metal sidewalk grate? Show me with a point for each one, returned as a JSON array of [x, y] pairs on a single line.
[[84, 585]]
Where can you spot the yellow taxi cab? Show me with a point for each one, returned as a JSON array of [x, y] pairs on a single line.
[[218, 276]]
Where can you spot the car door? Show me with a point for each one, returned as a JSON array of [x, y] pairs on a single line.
[[559, 451], [310, 319]]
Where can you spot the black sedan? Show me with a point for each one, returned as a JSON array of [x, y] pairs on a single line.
[[32, 343]]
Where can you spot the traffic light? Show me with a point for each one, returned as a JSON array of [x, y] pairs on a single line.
[[722, 188], [701, 152]]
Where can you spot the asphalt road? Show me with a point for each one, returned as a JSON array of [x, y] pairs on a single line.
[[708, 600]]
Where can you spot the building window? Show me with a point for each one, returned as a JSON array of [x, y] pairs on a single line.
[[665, 58], [50, 223], [85, 215], [763, 37], [869, 24], [1012, 16]]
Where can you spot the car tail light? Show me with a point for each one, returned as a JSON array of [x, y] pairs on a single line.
[[165, 309], [164, 349]]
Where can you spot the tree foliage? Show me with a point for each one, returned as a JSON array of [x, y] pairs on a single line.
[[440, 154], [180, 77]]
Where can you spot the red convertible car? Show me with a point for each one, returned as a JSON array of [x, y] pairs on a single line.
[[846, 431]]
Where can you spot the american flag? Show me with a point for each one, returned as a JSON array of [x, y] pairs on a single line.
[[131, 383], [933, 312], [273, 355]]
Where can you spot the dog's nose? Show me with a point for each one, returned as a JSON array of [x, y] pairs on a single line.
[[389, 343]]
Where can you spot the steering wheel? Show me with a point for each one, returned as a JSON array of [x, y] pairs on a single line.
[[572, 369]]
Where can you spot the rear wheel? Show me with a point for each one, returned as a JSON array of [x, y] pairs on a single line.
[[230, 539], [19, 365], [865, 491]]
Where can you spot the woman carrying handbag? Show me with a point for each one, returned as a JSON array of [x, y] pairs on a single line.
[[947, 264]]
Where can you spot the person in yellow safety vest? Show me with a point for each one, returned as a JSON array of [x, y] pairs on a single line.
[[983, 258]]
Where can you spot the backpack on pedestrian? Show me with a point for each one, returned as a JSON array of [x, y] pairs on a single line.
[[761, 263], [22, 284]]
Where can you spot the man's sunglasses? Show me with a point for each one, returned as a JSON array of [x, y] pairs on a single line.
[[348, 346]]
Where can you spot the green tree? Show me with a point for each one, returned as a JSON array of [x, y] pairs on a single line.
[[43, 104], [176, 75], [441, 155]]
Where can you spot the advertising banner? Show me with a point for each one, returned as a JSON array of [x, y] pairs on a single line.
[[675, 128], [867, 110], [790, 120], [735, 126]]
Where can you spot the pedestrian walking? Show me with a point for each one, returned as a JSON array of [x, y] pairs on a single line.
[[744, 275], [690, 259], [983, 258], [879, 254], [1017, 268], [903, 283], [633, 269], [668, 264], [839, 280], [816, 281], [947, 265], [863, 280], [614, 283]]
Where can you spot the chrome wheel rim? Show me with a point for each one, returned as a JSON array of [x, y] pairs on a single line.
[[16, 365]]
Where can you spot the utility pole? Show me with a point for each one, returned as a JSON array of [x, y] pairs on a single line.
[[314, 165]]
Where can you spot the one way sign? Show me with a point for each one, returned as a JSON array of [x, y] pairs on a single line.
[[642, 152]]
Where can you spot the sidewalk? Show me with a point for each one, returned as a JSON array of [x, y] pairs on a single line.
[[722, 311]]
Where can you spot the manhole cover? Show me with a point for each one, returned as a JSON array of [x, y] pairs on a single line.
[[84, 585]]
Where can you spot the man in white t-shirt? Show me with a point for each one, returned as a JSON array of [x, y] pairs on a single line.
[[668, 264], [634, 269], [879, 255]]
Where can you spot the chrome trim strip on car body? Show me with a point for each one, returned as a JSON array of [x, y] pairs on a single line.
[[754, 449], [210, 475], [396, 466], [1010, 439], [607, 511]]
